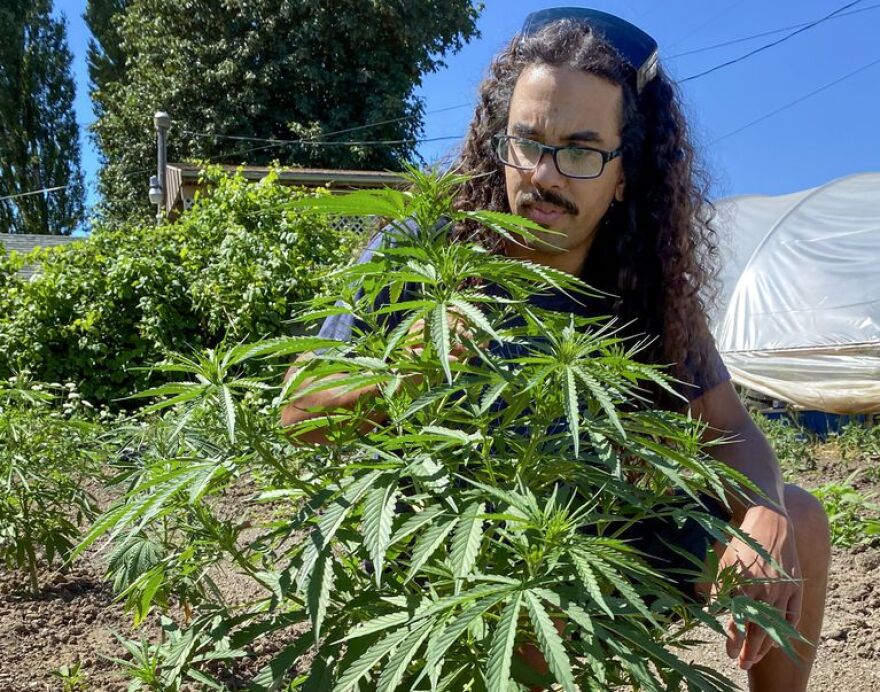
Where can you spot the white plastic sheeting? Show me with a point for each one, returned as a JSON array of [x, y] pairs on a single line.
[[799, 315]]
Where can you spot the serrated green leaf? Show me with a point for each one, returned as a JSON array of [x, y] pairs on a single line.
[[501, 649], [467, 539], [393, 671], [445, 638], [572, 410], [377, 519], [602, 397], [427, 544], [330, 522], [387, 203], [416, 522], [378, 651], [439, 328], [550, 643], [474, 315], [383, 622], [318, 591], [491, 395], [590, 582]]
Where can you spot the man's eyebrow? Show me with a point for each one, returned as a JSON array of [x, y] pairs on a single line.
[[584, 136], [523, 130]]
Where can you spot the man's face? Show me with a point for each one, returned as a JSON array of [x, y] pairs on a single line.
[[560, 107]]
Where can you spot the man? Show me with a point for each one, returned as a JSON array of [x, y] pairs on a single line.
[[579, 129]]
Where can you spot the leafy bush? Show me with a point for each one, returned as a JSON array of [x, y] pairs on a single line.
[[858, 442], [47, 452], [854, 516], [792, 444], [494, 500], [232, 268]]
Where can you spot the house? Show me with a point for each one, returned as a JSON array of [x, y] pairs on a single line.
[[25, 242]]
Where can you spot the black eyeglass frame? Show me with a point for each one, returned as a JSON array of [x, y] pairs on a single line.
[[554, 152]]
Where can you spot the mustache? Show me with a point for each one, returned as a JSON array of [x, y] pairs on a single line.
[[547, 197]]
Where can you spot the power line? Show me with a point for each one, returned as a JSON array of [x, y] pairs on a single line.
[[769, 45], [36, 192], [797, 100], [316, 140], [320, 143], [744, 39]]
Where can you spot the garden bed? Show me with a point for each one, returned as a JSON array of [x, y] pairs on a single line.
[[68, 621]]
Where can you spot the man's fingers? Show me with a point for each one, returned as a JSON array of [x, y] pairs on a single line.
[[753, 648], [766, 646], [734, 639]]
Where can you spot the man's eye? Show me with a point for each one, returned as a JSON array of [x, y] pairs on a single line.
[[577, 154]]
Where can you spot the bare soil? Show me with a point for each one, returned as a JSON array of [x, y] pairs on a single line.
[[70, 618]]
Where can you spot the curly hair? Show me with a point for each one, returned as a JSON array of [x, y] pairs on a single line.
[[658, 237]]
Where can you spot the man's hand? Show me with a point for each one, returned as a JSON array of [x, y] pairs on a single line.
[[457, 352], [772, 529]]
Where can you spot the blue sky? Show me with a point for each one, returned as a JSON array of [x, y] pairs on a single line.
[[826, 136]]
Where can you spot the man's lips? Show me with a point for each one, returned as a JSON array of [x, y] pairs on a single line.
[[543, 213]]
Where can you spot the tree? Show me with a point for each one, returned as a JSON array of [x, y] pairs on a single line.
[[39, 137], [106, 56], [271, 69]]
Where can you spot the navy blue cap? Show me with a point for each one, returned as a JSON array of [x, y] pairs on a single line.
[[634, 45]]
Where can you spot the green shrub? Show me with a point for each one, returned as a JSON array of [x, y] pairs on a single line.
[[232, 268], [854, 516], [858, 442], [793, 445], [424, 554]]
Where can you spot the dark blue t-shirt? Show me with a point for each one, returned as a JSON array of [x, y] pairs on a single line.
[[701, 380]]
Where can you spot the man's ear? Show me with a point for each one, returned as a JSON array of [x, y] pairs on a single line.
[[621, 188]]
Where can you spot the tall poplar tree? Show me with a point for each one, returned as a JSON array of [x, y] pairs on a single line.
[[106, 55], [280, 69], [39, 137]]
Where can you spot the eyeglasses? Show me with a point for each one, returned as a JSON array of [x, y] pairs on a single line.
[[636, 47], [572, 162]]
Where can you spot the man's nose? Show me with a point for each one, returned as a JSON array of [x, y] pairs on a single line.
[[545, 174]]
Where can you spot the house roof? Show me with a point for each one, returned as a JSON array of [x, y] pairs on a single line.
[[25, 242]]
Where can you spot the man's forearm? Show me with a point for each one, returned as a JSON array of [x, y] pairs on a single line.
[[749, 453], [318, 404]]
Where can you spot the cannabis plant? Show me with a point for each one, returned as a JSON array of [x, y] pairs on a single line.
[[492, 507], [47, 455]]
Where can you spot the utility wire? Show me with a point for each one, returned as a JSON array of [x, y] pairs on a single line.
[[797, 100], [35, 192], [318, 142], [327, 134], [766, 46], [743, 39]]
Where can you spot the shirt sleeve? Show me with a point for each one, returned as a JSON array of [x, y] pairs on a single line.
[[342, 325], [710, 373]]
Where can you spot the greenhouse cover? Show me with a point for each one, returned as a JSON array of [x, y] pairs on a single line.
[[799, 310]]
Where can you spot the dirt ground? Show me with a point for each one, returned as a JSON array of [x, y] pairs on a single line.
[[70, 620]]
